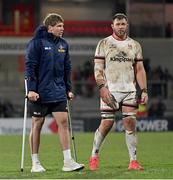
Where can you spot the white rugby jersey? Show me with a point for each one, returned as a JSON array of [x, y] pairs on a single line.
[[119, 57]]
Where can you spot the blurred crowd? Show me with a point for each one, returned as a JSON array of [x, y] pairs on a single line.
[[157, 108], [6, 108], [83, 80], [158, 79], [156, 73]]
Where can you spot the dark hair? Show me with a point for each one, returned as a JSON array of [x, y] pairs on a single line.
[[120, 16], [52, 19]]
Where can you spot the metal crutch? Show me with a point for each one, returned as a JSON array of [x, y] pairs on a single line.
[[71, 130], [24, 127]]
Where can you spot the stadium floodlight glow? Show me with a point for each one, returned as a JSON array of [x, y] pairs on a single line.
[[24, 127], [71, 130]]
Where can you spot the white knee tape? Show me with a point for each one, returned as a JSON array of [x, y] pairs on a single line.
[[108, 116], [129, 132], [130, 115]]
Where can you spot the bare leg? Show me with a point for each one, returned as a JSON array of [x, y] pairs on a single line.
[[64, 137], [63, 130], [34, 138]]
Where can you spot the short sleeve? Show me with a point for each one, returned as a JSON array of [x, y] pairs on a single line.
[[100, 53], [139, 55]]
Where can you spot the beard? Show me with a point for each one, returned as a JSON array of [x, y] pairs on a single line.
[[121, 33]]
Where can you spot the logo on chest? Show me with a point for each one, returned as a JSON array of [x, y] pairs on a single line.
[[61, 49], [121, 57]]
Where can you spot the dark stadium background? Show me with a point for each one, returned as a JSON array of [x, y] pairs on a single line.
[[86, 22]]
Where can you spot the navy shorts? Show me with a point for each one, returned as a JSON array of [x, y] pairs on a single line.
[[41, 110]]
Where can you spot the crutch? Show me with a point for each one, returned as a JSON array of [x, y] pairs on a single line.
[[24, 127], [71, 130]]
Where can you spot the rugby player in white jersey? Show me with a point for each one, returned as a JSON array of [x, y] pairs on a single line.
[[118, 67]]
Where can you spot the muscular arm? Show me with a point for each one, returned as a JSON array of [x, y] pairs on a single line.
[[141, 75], [101, 82], [99, 71], [142, 81]]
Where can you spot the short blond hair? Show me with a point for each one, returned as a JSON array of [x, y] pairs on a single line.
[[52, 19]]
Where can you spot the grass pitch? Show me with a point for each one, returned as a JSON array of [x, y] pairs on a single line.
[[155, 153]]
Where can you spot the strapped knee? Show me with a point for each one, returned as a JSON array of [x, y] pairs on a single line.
[[131, 115], [108, 115], [129, 132]]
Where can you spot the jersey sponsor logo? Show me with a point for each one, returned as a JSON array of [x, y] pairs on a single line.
[[120, 57], [47, 48], [37, 113], [61, 49]]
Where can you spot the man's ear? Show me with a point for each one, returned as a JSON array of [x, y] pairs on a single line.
[[50, 28]]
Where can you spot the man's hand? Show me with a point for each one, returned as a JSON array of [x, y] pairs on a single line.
[[144, 98], [105, 94], [70, 95], [108, 98], [33, 96]]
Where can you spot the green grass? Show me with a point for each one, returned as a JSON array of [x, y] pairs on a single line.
[[155, 152]]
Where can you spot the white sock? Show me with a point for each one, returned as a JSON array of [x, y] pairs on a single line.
[[131, 141], [67, 154], [34, 158], [98, 139]]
